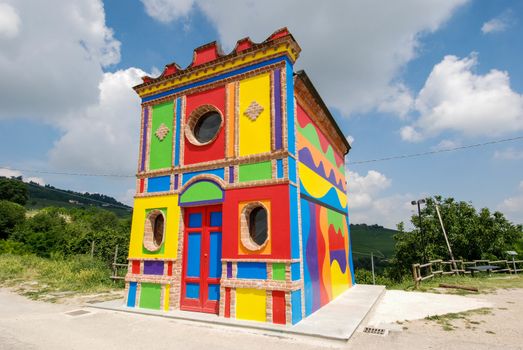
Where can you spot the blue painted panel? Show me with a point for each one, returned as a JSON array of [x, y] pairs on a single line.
[[292, 169], [293, 216], [218, 172], [216, 218], [159, 184], [193, 254], [250, 270], [213, 292], [195, 220], [309, 251], [220, 77], [291, 134], [215, 255], [295, 271], [279, 168], [131, 297], [296, 306], [178, 123], [192, 290]]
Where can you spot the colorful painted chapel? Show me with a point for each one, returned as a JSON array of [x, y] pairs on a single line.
[[241, 204]]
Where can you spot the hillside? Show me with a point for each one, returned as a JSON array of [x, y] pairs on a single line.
[[372, 238], [45, 196]]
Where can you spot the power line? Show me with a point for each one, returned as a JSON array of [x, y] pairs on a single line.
[[64, 173], [412, 155], [403, 156]]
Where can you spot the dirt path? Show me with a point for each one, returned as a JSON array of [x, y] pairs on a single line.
[[26, 324], [498, 327]]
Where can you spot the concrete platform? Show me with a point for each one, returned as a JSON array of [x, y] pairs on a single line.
[[338, 320]]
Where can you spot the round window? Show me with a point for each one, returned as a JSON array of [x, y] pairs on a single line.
[[207, 127], [258, 225], [154, 230], [158, 230]]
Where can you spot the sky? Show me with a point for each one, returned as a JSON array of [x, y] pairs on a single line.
[[400, 77]]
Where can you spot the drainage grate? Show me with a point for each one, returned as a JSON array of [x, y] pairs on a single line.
[[77, 313], [372, 330]]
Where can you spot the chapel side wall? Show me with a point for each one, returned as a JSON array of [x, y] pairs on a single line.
[[327, 264]]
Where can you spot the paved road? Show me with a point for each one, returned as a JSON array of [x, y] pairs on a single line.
[[26, 324]]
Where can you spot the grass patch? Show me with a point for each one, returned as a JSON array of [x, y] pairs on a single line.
[[38, 277], [446, 321], [484, 283]]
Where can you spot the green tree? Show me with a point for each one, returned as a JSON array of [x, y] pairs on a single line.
[[13, 190], [11, 214], [43, 233], [472, 234]]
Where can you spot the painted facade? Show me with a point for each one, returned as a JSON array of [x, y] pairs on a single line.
[[275, 156]]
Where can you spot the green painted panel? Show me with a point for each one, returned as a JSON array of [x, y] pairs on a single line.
[[201, 191], [256, 171], [278, 272], [150, 296], [161, 153]]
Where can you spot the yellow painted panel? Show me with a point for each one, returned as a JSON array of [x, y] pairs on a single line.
[[166, 297], [171, 228], [255, 135], [251, 304], [318, 186]]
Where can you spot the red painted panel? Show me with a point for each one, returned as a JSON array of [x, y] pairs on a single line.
[[142, 185], [227, 312], [170, 268], [278, 307], [216, 149], [136, 267], [243, 44], [278, 195], [205, 53]]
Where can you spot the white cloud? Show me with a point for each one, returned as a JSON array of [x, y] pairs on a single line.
[[350, 139], [6, 172], [509, 154], [352, 50], [446, 144], [103, 137], [362, 189], [9, 21], [498, 24], [457, 99], [513, 206], [55, 63], [167, 10]]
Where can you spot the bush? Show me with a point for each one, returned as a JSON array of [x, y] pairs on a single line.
[[11, 214], [365, 277], [13, 190]]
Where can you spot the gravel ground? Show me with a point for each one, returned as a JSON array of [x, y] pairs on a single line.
[[26, 324]]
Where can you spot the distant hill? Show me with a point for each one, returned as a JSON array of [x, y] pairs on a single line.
[[372, 238], [45, 196]]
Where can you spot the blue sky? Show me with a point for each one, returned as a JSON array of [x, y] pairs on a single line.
[[400, 78]]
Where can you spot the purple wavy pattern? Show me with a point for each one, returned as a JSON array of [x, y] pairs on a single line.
[[305, 156], [340, 257]]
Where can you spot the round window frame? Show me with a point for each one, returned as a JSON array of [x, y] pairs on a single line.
[[193, 119], [148, 233], [245, 233]]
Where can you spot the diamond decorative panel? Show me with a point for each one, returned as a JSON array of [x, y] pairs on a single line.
[[161, 132], [253, 111]]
